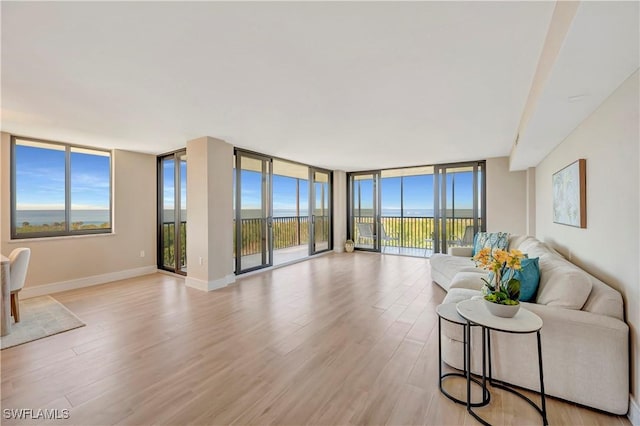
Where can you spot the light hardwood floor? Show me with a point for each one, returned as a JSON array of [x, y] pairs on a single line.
[[338, 339]]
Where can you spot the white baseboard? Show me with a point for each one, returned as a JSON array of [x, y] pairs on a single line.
[[41, 290], [634, 412], [210, 285]]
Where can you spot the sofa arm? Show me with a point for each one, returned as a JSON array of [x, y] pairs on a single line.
[[585, 356], [461, 251], [591, 349]]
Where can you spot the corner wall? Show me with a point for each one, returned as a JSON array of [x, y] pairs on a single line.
[[69, 262], [339, 210], [609, 247], [506, 198], [210, 214]]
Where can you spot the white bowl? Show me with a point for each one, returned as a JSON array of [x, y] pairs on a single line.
[[503, 311]]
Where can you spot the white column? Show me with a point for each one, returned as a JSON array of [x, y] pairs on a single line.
[[209, 214], [531, 201], [339, 210]]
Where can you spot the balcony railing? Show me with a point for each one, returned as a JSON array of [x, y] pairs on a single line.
[[290, 231], [415, 232], [168, 240]]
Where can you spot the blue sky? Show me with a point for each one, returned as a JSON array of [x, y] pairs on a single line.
[[41, 184], [40, 180], [169, 184], [284, 192], [417, 192]]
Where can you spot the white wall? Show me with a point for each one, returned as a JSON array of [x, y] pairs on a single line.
[[609, 247], [63, 259], [506, 198]]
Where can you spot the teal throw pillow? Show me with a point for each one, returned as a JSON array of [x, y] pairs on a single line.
[[493, 240], [475, 241], [529, 277]]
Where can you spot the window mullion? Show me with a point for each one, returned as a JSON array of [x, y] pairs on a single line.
[[67, 190]]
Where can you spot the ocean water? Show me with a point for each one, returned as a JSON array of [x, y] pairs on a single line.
[[98, 217], [41, 217], [459, 213]]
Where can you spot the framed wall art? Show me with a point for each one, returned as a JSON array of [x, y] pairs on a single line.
[[570, 195]]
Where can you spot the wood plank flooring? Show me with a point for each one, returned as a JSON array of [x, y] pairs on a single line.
[[339, 339]]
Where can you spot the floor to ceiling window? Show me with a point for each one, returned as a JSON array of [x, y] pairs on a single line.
[[460, 207], [290, 211], [172, 212], [320, 210], [282, 211], [416, 211], [363, 223], [407, 210]]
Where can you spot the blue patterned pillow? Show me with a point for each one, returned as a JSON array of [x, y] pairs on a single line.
[[493, 240]]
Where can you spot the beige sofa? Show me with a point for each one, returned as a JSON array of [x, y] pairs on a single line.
[[584, 337]]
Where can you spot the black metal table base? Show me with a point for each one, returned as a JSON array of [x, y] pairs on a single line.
[[486, 396], [486, 347]]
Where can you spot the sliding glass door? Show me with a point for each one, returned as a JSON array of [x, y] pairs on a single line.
[[254, 219], [364, 209], [460, 209], [417, 211], [290, 229], [320, 211], [282, 211], [172, 212], [406, 199]]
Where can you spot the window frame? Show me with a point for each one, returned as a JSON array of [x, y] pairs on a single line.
[[67, 191]]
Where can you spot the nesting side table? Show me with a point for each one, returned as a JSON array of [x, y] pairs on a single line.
[[523, 322], [449, 313]]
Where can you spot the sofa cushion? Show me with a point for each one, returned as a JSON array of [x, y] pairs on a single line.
[[562, 284], [459, 294], [534, 248], [529, 277], [445, 267], [516, 240], [493, 240], [468, 280]]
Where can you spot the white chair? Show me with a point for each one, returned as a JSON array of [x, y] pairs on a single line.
[[385, 237], [19, 263], [428, 243], [467, 238], [365, 231]]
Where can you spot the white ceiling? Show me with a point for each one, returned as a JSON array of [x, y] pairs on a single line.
[[346, 86], [600, 51]]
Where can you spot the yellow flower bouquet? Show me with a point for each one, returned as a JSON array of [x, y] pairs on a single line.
[[501, 287]]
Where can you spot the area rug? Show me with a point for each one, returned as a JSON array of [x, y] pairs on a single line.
[[40, 317]]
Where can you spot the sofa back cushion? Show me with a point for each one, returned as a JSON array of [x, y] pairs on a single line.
[[533, 248], [562, 284], [493, 240], [516, 240]]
